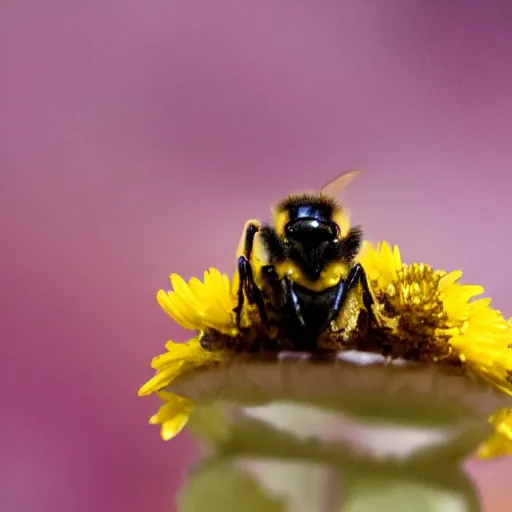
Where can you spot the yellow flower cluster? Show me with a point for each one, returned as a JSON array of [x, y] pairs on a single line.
[[419, 296], [413, 297]]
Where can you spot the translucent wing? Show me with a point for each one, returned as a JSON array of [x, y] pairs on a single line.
[[334, 187]]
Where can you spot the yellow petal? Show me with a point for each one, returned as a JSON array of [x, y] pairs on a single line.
[[172, 416], [502, 422], [449, 279], [173, 427], [181, 289], [191, 350], [397, 259], [496, 446], [174, 310], [161, 378], [198, 288], [179, 358]]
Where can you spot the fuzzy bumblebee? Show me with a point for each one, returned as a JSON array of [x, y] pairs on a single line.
[[297, 277], [308, 282]]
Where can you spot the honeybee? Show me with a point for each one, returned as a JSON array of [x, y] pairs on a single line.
[[300, 270]]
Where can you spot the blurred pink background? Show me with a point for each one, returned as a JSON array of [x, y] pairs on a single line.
[[135, 140]]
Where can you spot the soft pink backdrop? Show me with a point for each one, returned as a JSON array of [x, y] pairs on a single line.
[[137, 137]]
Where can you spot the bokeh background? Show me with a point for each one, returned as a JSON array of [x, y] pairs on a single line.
[[135, 140]]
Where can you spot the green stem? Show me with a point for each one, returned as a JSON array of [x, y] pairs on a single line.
[[304, 487], [345, 437], [423, 471], [379, 491], [297, 457]]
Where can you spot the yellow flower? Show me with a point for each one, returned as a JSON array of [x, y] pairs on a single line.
[[428, 311], [433, 303]]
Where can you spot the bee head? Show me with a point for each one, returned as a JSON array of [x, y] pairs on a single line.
[[310, 219]]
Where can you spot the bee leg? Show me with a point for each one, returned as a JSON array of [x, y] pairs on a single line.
[[292, 302], [248, 287], [303, 338], [355, 276]]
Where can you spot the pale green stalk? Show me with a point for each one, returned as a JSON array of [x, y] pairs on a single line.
[[356, 435]]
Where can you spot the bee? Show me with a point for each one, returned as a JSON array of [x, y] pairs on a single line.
[[299, 271]]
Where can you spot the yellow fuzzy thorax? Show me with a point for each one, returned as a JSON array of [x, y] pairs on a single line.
[[329, 277]]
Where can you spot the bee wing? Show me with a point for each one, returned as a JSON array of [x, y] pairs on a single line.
[[334, 187]]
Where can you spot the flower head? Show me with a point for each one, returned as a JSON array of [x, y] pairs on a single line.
[[427, 316], [431, 308]]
